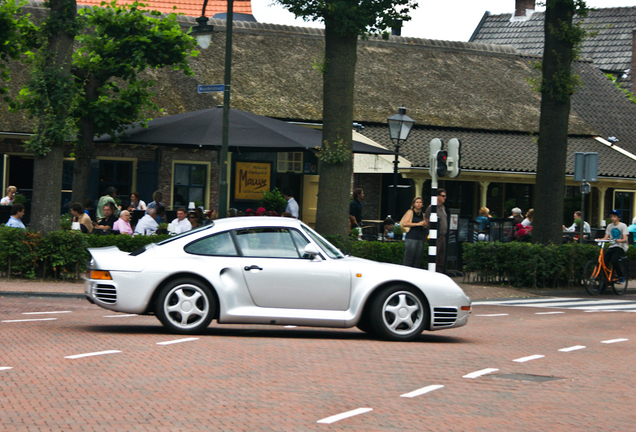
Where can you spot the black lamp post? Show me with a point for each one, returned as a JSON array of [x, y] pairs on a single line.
[[203, 32], [399, 129]]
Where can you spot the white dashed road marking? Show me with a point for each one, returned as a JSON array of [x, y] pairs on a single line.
[[422, 391], [525, 359], [29, 320], [572, 348], [177, 341], [566, 303], [548, 313], [345, 415], [43, 313], [120, 315], [5, 368], [73, 357], [614, 341], [492, 315], [480, 373]]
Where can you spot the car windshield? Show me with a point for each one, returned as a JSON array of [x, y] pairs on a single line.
[[330, 250], [185, 234]]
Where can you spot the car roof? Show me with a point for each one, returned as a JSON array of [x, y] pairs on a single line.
[[256, 221]]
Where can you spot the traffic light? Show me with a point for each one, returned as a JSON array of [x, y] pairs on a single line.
[[441, 163], [454, 157], [435, 145]]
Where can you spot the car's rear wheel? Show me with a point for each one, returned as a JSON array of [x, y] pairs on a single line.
[[399, 313], [185, 306]]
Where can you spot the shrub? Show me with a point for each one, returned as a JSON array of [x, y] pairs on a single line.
[[530, 265]]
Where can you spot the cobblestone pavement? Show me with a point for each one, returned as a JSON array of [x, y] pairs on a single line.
[[249, 378]]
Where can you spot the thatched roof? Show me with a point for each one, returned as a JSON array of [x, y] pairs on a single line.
[[444, 84]]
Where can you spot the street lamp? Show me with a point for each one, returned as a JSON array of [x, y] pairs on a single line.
[[399, 129], [203, 32]]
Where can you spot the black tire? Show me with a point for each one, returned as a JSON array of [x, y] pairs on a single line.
[[185, 306], [619, 288], [394, 301], [593, 285], [365, 324]]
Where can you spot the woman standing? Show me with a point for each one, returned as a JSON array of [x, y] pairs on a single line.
[[414, 241]]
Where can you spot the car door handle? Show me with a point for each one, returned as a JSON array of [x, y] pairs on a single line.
[[252, 267]]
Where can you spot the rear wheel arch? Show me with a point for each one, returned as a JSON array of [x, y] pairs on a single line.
[[153, 300]]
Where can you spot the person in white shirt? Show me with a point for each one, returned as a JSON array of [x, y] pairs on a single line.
[[8, 200], [147, 225], [292, 205], [181, 224], [575, 227]]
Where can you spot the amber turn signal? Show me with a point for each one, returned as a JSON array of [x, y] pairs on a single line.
[[100, 274], [466, 308]]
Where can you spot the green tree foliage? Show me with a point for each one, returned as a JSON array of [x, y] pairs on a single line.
[[558, 83], [120, 43], [16, 33], [345, 21]]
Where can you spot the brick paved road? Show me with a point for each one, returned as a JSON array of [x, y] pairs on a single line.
[[238, 378]]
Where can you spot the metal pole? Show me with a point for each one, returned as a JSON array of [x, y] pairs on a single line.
[[223, 186], [582, 217], [395, 181], [433, 224]]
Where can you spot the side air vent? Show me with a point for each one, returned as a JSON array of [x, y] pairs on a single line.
[[105, 293], [444, 316]]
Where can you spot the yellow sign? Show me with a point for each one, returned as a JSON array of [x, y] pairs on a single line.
[[252, 179]]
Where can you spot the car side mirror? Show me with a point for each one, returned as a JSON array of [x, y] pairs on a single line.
[[311, 251]]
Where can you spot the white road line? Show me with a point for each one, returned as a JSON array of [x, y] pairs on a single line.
[[505, 302], [76, 356], [28, 320], [5, 368], [492, 315], [614, 341], [422, 391], [525, 359], [290, 326], [345, 415], [120, 315], [572, 348], [42, 313], [177, 341], [480, 373], [547, 313]]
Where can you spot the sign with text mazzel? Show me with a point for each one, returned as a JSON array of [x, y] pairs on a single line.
[[252, 179]]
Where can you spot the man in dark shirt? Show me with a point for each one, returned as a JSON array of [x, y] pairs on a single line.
[[355, 208], [105, 225]]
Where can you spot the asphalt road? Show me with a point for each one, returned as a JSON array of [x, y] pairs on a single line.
[[510, 369]]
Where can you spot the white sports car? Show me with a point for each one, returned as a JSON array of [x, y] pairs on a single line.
[[274, 271]]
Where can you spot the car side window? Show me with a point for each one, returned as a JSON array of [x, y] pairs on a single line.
[[267, 243], [216, 245]]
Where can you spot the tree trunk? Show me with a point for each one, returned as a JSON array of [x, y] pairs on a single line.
[[553, 127], [47, 187], [335, 178], [85, 148], [47, 168]]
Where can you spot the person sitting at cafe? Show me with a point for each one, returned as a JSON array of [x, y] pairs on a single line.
[[15, 220], [194, 221], [136, 203], [517, 216], [388, 226], [157, 196], [577, 224], [181, 224], [528, 220], [147, 225], [80, 217], [104, 225], [108, 197], [123, 223], [8, 200]]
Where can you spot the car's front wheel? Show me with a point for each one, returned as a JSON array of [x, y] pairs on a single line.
[[185, 306], [399, 313]]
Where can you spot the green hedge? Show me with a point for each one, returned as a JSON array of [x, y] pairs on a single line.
[[388, 252], [62, 254], [530, 265]]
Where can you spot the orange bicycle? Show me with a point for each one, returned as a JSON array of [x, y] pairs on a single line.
[[596, 275]]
